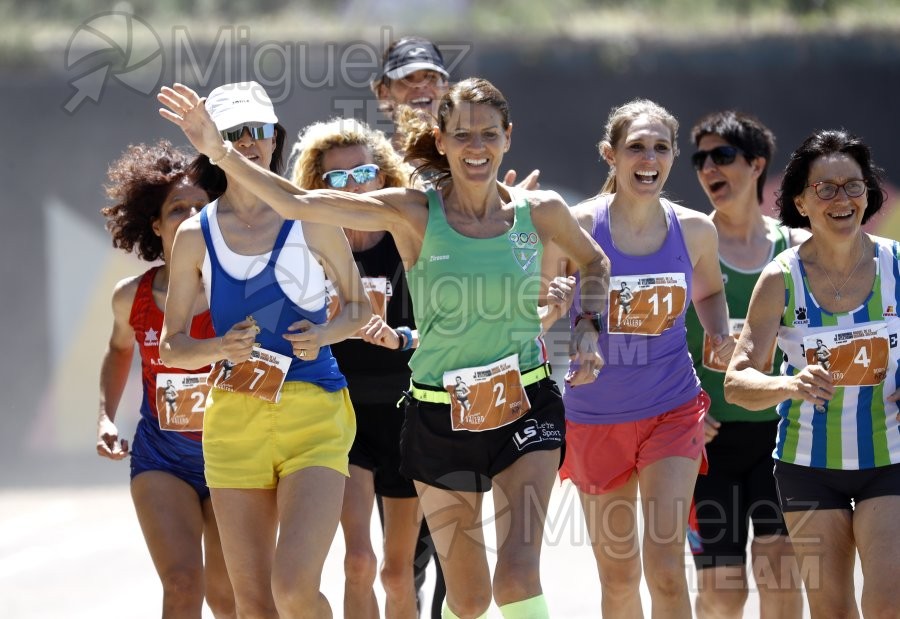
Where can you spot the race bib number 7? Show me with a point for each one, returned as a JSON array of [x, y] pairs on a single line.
[[181, 401], [487, 397], [646, 304], [855, 356], [261, 376]]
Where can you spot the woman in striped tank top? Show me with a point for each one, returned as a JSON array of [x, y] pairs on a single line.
[[831, 305]]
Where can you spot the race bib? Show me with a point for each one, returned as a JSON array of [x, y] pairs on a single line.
[[712, 362], [646, 304], [261, 376], [180, 401], [854, 356], [486, 397], [379, 290]]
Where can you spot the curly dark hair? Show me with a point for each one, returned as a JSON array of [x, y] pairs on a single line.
[[821, 143], [138, 184]]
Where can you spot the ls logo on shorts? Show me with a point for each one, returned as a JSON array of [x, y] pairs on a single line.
[[533, 432]]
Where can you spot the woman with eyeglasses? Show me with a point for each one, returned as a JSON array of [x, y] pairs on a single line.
[[472, 248], [837, 449], [731, 162], [279, 422], [152, 195], [640, 424], [347, 155]]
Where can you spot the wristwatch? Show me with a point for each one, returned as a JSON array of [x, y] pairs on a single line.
[[593, 317]]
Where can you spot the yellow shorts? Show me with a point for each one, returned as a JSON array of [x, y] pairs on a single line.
[[251, 443]]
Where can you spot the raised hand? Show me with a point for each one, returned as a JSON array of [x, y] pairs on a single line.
[[186, 109]]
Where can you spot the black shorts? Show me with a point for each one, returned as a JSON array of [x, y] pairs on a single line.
[[433, 453], [738, 488], [802, 488], [376, 448]]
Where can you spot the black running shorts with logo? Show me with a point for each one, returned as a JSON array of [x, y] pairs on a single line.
[[435, 454], [803, 488], [738, 489]]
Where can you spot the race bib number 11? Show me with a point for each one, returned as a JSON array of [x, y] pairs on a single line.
[[646, 304]]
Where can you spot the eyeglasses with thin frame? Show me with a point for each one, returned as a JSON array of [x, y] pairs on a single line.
[[826, 190], [362, 174], [721, 155], [258, 131]]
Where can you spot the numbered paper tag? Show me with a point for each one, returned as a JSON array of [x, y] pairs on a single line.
[[378, 288], [646, 304], [180, 401], [712, 362], [855, 356], [261, 376], [486, 397]]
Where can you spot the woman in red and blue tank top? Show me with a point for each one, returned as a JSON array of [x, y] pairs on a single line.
[[152, 197], [640, 424]]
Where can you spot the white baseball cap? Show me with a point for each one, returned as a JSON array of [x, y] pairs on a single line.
[[233, 105]]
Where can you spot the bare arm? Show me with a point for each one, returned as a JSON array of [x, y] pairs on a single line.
[[707, 289], [330, 245], [399, 211], [746, 382], [176, 347], [114, 371]]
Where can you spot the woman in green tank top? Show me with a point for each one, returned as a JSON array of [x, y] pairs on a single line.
[[460, 242]]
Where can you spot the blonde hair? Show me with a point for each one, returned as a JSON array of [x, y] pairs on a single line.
[[319, 138], [620, 119]]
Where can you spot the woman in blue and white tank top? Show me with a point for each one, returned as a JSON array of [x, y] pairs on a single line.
[[831, 305]]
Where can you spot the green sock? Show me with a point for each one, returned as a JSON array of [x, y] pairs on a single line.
[[532, 608]]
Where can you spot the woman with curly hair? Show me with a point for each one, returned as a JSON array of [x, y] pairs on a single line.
[[151, 196], [348, 155]]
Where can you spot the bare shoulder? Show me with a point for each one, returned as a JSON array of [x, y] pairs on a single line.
[[695, 224], [124, 294], [586, 211]]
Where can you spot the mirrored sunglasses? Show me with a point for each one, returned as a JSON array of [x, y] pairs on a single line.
[[257, 131], [721, 155], [338, 179]]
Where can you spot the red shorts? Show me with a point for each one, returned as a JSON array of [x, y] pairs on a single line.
[[602, 457]]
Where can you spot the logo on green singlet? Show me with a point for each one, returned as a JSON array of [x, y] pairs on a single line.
[[524, 248]]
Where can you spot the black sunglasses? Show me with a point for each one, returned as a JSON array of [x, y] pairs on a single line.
[[721, 155]]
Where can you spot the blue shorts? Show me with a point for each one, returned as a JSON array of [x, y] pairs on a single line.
[[157, 450]]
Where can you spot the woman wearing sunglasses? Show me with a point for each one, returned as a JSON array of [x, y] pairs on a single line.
[[640, 424], [837, 449], [472, 248], [734, 151], [152, 196], [347, 155], [279, 422]]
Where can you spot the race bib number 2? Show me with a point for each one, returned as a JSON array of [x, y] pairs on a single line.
[[646, 304], [855, 356], [261, 376], [181, 401], [487, 397]]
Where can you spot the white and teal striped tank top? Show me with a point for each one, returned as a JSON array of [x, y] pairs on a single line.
[[857, 429]]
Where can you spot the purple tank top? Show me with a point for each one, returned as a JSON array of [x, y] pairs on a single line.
[[648, 368]]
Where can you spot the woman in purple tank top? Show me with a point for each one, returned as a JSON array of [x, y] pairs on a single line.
[[640, 424]]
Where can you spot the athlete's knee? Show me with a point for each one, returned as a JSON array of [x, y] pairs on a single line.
[[620, 578], [360, 566], [182, 586], [516, 578], [715, 602], [397, 578], [470, 604]]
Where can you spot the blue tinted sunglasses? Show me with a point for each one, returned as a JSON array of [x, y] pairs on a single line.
[[257, 131], [337, 179]]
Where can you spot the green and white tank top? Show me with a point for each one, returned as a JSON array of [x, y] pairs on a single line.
[[739, 284], [858, 428], [475, 300]]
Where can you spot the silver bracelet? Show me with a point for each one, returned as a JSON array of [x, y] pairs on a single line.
[[228, 149]]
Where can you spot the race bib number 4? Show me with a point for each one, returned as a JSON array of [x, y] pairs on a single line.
[[181, 401], [262, 376], [646, 304], [856, 356], [486, 397], [712, 362], [378, 288]]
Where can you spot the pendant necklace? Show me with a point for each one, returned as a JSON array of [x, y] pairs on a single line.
[[837, 290]]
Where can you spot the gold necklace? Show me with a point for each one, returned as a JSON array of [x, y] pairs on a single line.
[[837, 291]]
